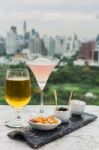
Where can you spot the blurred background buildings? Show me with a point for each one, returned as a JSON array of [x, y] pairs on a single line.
[[29, 44]]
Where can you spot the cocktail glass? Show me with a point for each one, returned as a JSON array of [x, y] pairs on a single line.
[[42, 68]]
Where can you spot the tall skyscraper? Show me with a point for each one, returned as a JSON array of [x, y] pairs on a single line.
[[2, 46], [96, 53], [26, 34], [12, 44], [34, 34], [49, 45], [24, 28], [51, 50], [35, 45], [60, 44], [72, 46]]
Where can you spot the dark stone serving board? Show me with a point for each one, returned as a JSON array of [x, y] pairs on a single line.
[[37, 138]]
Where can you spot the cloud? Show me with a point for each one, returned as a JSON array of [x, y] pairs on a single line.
[[51, 15], [38, 16], [18, 7], [80, 6]]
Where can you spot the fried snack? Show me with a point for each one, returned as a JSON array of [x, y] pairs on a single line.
[[45, 120]]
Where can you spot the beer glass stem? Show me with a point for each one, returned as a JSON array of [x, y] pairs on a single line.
[[42, 102]]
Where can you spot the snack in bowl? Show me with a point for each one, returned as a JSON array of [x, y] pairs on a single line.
[[62, 113], [44, 123]]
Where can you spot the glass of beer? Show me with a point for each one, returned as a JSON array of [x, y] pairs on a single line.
[[17, 93]]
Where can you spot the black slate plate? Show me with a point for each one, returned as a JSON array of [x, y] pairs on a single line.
[[37, 138]]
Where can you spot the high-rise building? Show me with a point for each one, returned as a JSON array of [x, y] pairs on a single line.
[[96, 52], [72, 46], [35, 45], [20, 41], [14, 29], [26, 34], [34, 34], [2, 46], [24, 28], [12, 44], [49, 45], [51, 48], [60, 44], [43, 50], [87, 50]]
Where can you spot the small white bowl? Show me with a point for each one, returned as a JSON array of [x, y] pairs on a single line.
[[64, 116], [77, 107], [45, 127]]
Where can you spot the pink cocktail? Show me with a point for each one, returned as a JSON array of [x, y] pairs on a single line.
[[42, 68], [41, 73]]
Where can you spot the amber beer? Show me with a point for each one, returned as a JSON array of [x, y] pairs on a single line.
[[17, 91]]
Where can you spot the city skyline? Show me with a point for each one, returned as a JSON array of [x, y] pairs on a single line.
[[58, 17]]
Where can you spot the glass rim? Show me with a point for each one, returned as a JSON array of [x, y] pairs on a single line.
[[18, 72], [52, 60], [8, 70]]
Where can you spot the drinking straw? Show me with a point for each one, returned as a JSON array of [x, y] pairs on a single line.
[[70, 97], [55, 95]]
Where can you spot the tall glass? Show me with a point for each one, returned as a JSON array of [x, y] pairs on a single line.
[[42, 68], [17, 92]]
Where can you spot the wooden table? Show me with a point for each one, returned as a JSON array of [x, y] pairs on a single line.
[[86, 138]]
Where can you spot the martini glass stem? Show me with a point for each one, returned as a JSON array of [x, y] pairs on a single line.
[[42, 102], [18, 117]]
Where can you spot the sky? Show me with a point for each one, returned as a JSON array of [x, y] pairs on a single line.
[[51, 17]]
